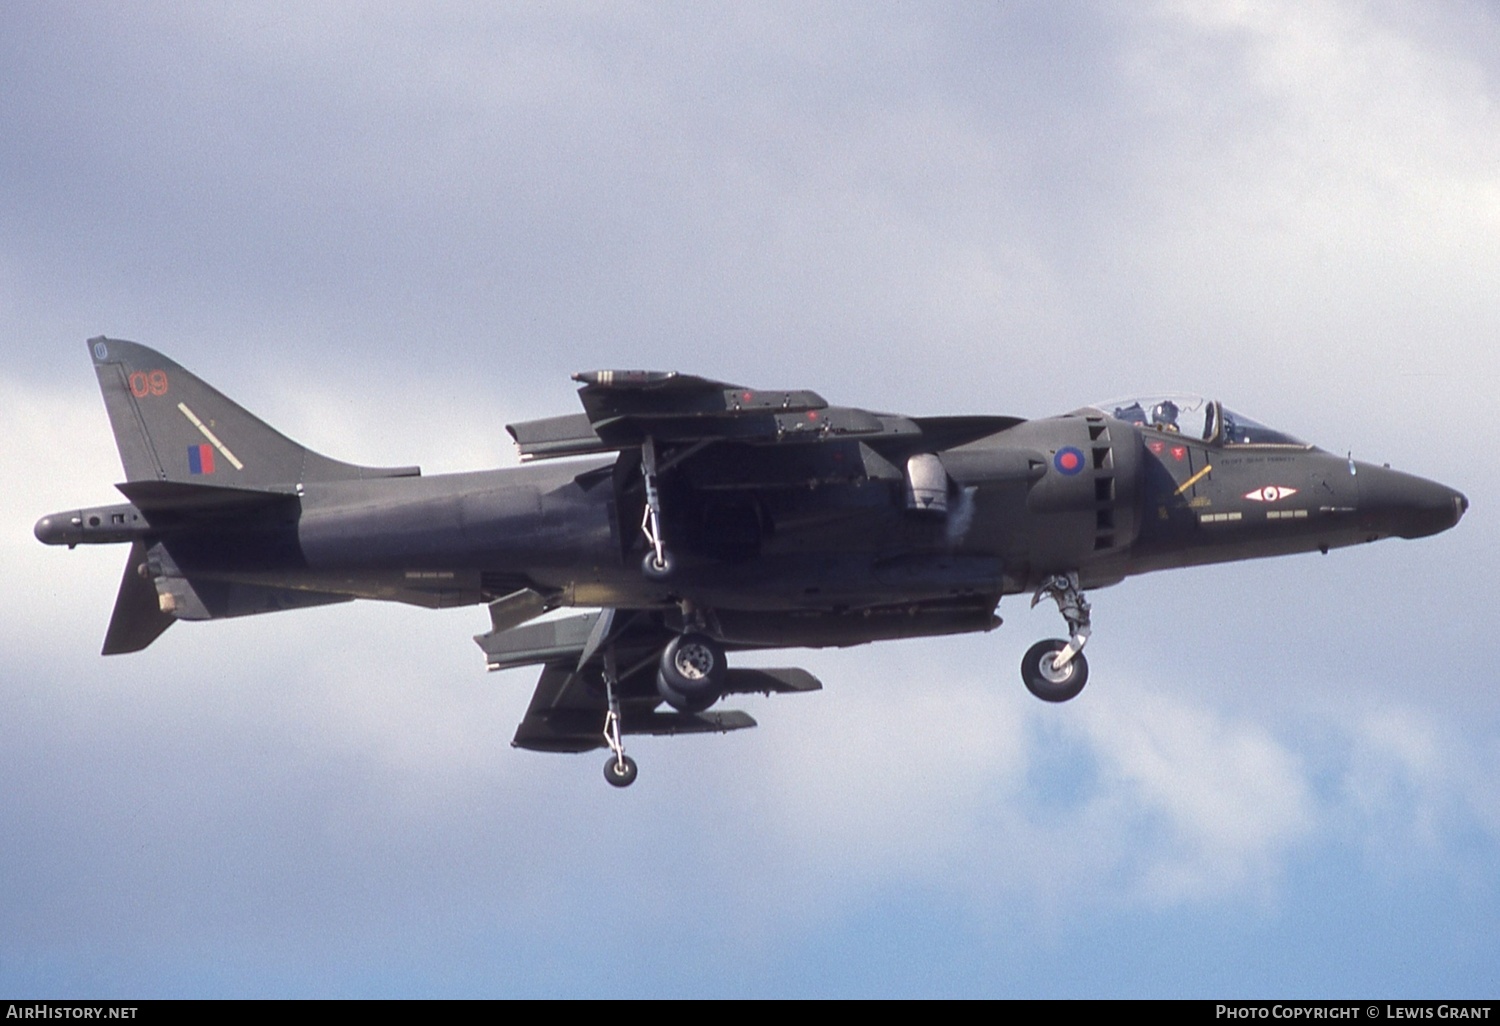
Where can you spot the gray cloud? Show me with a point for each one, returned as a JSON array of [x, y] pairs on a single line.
[[393, 232]]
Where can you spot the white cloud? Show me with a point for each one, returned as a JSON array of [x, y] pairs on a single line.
[[1230, 800], [1131, 797], [1418, 790]]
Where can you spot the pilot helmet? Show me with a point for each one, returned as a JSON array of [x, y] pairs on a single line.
[[1164, 413]]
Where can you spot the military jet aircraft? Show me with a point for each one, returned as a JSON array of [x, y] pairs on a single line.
[[698, 518]]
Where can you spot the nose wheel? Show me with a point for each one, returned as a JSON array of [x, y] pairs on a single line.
[[1055, 670], [1045, 679]]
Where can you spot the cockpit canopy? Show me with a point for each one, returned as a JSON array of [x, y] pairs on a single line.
[[1195, 417]]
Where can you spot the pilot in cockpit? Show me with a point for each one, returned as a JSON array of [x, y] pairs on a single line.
[[1164, 417]]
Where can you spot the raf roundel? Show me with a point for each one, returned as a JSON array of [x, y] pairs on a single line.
[[1068, 460]]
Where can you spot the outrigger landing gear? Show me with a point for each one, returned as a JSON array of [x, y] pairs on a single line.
[[1055, 670], [621, 769], [657, 562]]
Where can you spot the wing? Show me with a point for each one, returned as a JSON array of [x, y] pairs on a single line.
[[568, 707], [715, 439], [623, 408]]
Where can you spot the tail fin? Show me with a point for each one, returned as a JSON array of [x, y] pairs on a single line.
[[173, 426]]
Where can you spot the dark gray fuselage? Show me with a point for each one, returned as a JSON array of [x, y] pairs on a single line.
[[837, 558]]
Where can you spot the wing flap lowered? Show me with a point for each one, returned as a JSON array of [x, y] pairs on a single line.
[[547, 642]]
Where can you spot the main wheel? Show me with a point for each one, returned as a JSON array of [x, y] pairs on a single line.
[[622, 773], [691, 677], [1047, 683]]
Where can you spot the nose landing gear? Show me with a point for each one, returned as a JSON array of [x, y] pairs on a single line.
[[1055, 670]]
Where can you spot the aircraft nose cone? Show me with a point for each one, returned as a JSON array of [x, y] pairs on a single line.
[[1407, 505]]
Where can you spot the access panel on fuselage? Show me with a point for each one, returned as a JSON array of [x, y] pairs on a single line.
[[1052, 496]]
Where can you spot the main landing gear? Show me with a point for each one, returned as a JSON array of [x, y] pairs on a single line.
[[690, 678], [1055, 670]]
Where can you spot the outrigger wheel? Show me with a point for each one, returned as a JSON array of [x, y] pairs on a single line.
[[621, 772], [656, 566], [658, 563]]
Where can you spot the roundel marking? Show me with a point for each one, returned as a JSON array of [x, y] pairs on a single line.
[[1270, 493], [1068, 460]]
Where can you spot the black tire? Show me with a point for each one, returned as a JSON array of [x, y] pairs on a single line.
[[1047, 684], [691, 677], [658, 571], [621, 775], [681, 702]]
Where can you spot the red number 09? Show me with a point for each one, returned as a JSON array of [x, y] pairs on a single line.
[[143, 384]]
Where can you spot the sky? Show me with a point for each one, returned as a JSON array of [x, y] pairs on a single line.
[[390, 230]]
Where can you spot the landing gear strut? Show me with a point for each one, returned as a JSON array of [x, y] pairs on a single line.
[[621, 769], [1055, 670], [657, 562]]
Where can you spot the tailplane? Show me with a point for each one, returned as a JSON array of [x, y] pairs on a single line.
[[172, 426]]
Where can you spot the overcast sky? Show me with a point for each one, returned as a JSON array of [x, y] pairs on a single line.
[[390, 231]]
